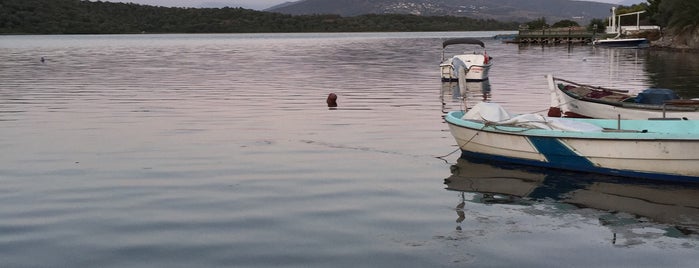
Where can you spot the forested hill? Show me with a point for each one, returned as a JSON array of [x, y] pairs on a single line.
[[85, 17], [510, 10]]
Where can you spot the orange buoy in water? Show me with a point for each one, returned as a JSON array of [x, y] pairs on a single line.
[[332, 100]]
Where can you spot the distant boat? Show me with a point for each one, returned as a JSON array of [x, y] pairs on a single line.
[[616, 28], [571, 99], [506, 38], [622, 42], [651, 149], [476, 65]]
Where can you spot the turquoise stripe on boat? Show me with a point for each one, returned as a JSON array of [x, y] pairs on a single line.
[[645, 129]]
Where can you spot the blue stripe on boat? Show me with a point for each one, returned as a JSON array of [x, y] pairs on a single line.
[[557, 153]]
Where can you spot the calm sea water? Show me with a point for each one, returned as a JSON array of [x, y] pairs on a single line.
[[219, 151]]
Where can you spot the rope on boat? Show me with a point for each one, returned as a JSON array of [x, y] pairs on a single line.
[[495, 124], [462, 147]]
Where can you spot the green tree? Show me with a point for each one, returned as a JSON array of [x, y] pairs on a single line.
[[539, 23], [597, 25], [565, 23], [633, 8], [653, 10], [677, 15], [681, 15]]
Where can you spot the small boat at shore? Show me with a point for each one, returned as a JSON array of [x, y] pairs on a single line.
[[620, 42], [475, 65], [650, 149], [571, 99]]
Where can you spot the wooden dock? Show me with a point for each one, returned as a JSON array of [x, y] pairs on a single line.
[[568, 35]]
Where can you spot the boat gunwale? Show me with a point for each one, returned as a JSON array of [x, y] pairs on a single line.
[[639, 106], [635, 135]]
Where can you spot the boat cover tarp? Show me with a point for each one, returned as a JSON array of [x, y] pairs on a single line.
[[494, 114], [656, 96]]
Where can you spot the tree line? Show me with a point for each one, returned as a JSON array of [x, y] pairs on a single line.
[[86, 17], [673, 15], [677, 15]]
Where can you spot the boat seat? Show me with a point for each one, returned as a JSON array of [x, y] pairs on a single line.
[[598, 94]]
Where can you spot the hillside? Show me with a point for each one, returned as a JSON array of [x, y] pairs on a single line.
[[86, 17], [501, 10]]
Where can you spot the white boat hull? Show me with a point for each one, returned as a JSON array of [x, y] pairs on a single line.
[[622, 42], [575, 108], [474, 72]]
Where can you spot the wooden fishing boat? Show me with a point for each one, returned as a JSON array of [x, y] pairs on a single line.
[[571, 99], [652, 149]]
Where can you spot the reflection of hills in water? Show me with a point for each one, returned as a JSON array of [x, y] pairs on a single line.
[[663, 68], [675, 70], [672, 208]]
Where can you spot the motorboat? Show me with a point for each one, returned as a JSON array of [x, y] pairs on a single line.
[[621, 42], [475, 66]]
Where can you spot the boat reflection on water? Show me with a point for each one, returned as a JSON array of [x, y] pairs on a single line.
[[475, 91], [622, 203], [467, 94], [450, 91]]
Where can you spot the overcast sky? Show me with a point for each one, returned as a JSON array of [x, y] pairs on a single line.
[[257, 4]]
